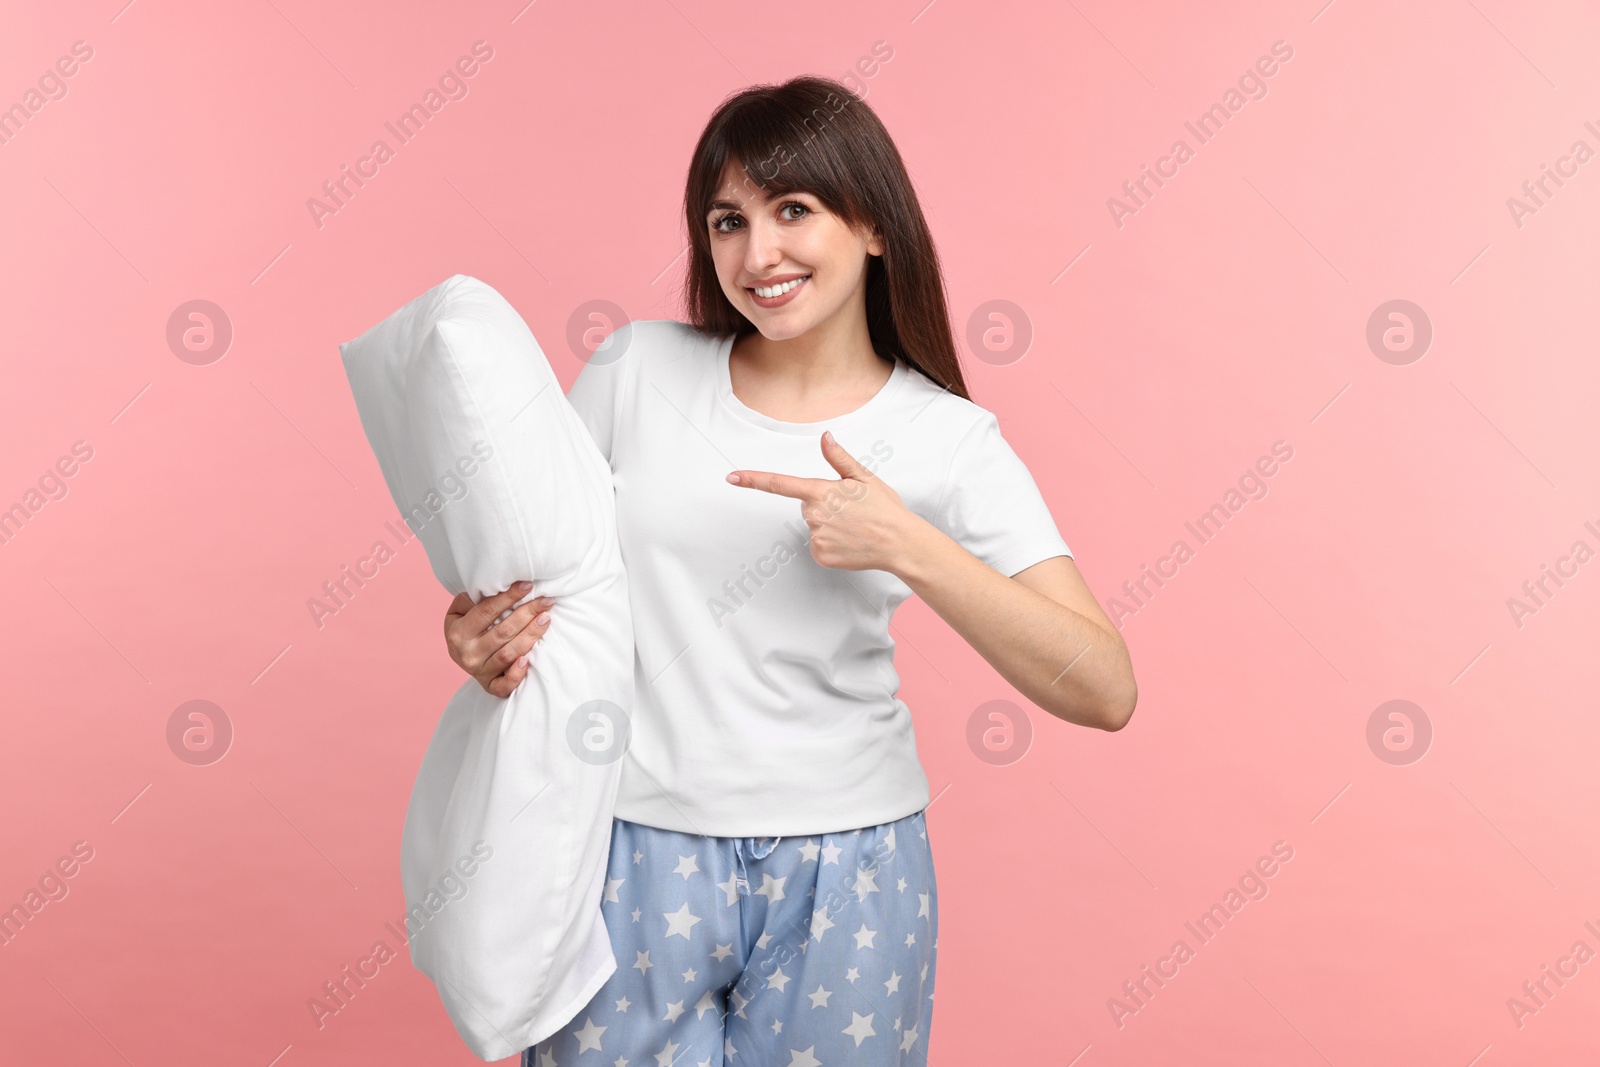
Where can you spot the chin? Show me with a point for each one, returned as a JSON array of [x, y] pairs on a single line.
[[784, 330]]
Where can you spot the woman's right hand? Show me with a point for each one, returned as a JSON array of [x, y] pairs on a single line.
[[495, 653]]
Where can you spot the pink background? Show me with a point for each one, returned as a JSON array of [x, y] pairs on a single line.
[[1228, 313]]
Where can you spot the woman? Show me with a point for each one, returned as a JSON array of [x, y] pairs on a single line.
[[789, 466]]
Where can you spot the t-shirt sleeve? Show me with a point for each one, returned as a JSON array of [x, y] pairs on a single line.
[[991, 505], [596, 393]]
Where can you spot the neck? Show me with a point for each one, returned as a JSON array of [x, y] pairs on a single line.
[[829, 354]]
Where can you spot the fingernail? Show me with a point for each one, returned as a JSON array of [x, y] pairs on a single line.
[[522, 660], [524, 586], [734, 478], [541, 618]]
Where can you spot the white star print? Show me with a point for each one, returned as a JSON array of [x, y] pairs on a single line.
[[908, 1038], [819, 999], [892, 986], [589, 1036], [688, 976], [668, 1051], [680, 922], [777, 980], [636, 914], [803, 1057], [547, 1058], [637, 855], [728, 1051], [687, 865], [674, 1010], [624, 1004], [706, 1003], [830, 854], [860, 1027], [851, 975], [901, 885], [761, 942], [611, 889], [911, 939], [739, 1001], [808, 852], [924, 976], [620, 1061], [820, 924], [722, 953], [771, 888], [865, 883], [731, 887], [889, 837], [864, 937], [777, 1026], [643, 962], [922, 912]]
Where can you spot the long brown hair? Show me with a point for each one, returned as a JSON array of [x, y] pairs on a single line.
[[814, 135]]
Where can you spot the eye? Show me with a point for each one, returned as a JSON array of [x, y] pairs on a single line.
[[716, 223]]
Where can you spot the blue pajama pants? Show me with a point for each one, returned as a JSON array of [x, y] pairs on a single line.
[[811, 951]]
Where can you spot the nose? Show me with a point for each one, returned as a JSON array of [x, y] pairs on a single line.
[[762, 251]]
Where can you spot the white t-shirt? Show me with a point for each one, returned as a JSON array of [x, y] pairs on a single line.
[[765, 701]]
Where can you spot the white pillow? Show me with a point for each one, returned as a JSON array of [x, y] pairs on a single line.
[[503, 854]]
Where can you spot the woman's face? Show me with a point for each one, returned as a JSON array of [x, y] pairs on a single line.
[[776, 240]]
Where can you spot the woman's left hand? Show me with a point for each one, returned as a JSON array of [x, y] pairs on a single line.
[[857, 522]]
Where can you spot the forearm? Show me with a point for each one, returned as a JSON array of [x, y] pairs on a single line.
[[1063, 662]]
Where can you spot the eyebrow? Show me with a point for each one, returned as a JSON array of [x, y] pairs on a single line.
[[718, 205]]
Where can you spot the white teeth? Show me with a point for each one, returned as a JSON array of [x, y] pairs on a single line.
[[779, 290]]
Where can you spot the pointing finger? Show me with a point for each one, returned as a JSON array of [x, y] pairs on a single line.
[[780, 484]]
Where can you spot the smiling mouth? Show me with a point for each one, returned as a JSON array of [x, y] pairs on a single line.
[[768, 292]]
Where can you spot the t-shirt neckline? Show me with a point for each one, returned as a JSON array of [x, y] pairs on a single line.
[[737, 406]]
